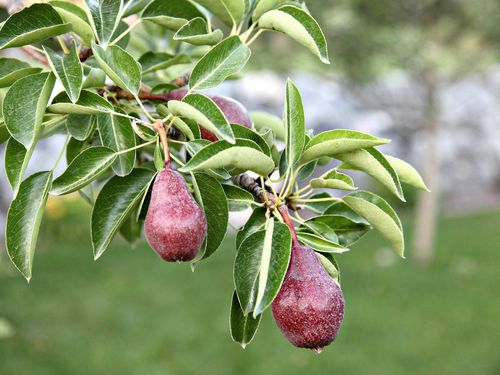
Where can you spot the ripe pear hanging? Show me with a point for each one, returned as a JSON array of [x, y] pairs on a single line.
[[175, 225], [309, 308]]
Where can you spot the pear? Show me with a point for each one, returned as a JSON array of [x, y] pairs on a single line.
[[309, 307], [175, 225], [233, 110]]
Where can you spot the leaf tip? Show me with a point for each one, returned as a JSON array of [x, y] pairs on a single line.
[[97, 255], [193, 266], [243, 345]]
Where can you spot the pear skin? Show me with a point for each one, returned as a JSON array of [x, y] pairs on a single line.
[[309, 307], [175, 225]]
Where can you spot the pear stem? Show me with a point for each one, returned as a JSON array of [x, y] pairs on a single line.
[[283, 210], [160, 129]]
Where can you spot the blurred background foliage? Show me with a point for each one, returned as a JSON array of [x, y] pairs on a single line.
[[424, 73]]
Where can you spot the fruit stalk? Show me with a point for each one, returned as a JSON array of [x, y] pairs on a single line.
[[160, 129]]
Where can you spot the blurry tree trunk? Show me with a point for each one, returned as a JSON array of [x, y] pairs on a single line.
[[5, 198], [428, 203], [4, 206]]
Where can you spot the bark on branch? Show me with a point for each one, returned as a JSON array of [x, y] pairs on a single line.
[[253, 186]]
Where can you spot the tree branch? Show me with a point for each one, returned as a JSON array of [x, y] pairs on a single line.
[[35, 55], [253, 186], [85, 53]]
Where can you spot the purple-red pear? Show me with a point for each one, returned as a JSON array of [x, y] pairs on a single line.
[[233, 110], [175, 225], [309, 307]]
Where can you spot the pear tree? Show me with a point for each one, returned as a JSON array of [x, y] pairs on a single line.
[[148, 149]]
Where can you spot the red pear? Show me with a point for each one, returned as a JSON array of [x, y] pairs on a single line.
[[175, 225], [309, 307]]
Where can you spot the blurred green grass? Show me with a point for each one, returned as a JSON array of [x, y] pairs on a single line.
[[130, 313]]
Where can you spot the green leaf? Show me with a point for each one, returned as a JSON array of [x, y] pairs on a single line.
[[381, 215], [117, 134], [120, 66], [23, 221], [68, 70], [243, 132], [338, 141], [319, 207], [131, 229], [89, 103], [135, 6], [298, 25], [407, 173], [226, 58], [268, 136], [94, 78], [342, 209], [295, 124], [228, 11], [85, 168], [320, 244], [264, 6], [307, 171], [239, 199], [346, 229], [260, 266], [12, 70], [153, 61], [196, 145], [142, 208], [76, 16], [171, 14], [123, 42], [73, 148], [212, 199], [30, 25], [243, 327], [16, 161], [373, 163], [53, 125], [158, 160], [256, 222], [81, 127], [321, 230], [263, 120], [331, 265], [24, 107], [104, 18], [115, 202], [244, 155], [203, 110], [333, 180], [4, 133], [196, 32]]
